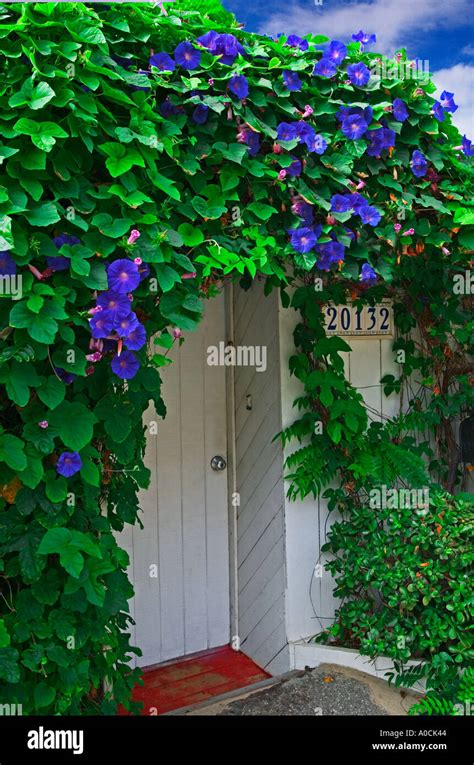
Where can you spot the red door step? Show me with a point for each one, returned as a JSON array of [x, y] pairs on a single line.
[[194, 679]]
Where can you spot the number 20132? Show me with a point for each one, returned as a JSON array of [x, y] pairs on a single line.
[[368, 320]]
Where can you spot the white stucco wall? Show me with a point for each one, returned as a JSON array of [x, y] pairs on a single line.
[[307, 521]]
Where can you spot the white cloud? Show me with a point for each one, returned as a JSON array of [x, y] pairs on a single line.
[[396, 22], [459, 79]]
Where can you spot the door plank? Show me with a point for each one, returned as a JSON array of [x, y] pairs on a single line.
[[217, 513]]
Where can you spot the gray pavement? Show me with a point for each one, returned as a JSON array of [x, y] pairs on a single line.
[[326, 690]]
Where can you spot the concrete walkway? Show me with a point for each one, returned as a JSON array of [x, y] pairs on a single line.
[[326, 690]]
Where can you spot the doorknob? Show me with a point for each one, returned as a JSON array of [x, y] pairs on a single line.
[[218, 463]]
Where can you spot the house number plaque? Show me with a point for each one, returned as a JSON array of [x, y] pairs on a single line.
[[366, 321]]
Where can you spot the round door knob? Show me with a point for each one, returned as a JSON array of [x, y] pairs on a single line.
[[218, 463]]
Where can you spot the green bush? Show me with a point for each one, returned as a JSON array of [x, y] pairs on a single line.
[[403, 575]]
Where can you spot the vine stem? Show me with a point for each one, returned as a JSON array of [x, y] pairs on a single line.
[[52, 365]]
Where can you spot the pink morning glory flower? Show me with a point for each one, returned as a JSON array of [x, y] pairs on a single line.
[[134, 235]]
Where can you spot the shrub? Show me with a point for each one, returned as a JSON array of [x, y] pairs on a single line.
[[403, 575]]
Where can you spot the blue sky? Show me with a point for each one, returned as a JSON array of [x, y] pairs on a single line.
[[439, 31]]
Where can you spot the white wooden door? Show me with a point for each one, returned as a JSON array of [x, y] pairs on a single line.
[[179, 561]]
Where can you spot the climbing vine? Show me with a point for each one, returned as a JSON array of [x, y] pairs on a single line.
[[147, 156]]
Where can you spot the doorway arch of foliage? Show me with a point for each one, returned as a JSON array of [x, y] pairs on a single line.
[[125, 144]]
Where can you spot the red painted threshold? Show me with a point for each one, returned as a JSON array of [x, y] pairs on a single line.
[[195, 679]]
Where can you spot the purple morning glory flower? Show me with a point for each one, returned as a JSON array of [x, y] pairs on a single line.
[[304, 132], [380, 139], [58, 263], [439, 112], [187, 56], [167, 109], [400, 111], [68, 464], [388, 138], [226, 46], [467, 147], [368, 114], [336, 51], [303, 210], [7, 264], [375, 146], [66, 377], [325, 68], [367, 273], [123, 276], [419, 164], [357, 202], [369, 215], [286, 131], [447, 102], [295, 168], [354, 127], [122, 61], [125, 324], [136, 339], [364, 38], [348, 111], [208, 40], [340, 203], [114, 303], [343, 112], [291, 80], [239, 86], [126, 365], [250, 138], [144, 271], [318, 145], [200, 114], [102, 324], [297, 42], [303, 239], [163, 62], [65, 239], [329, 253], [358, 74]]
